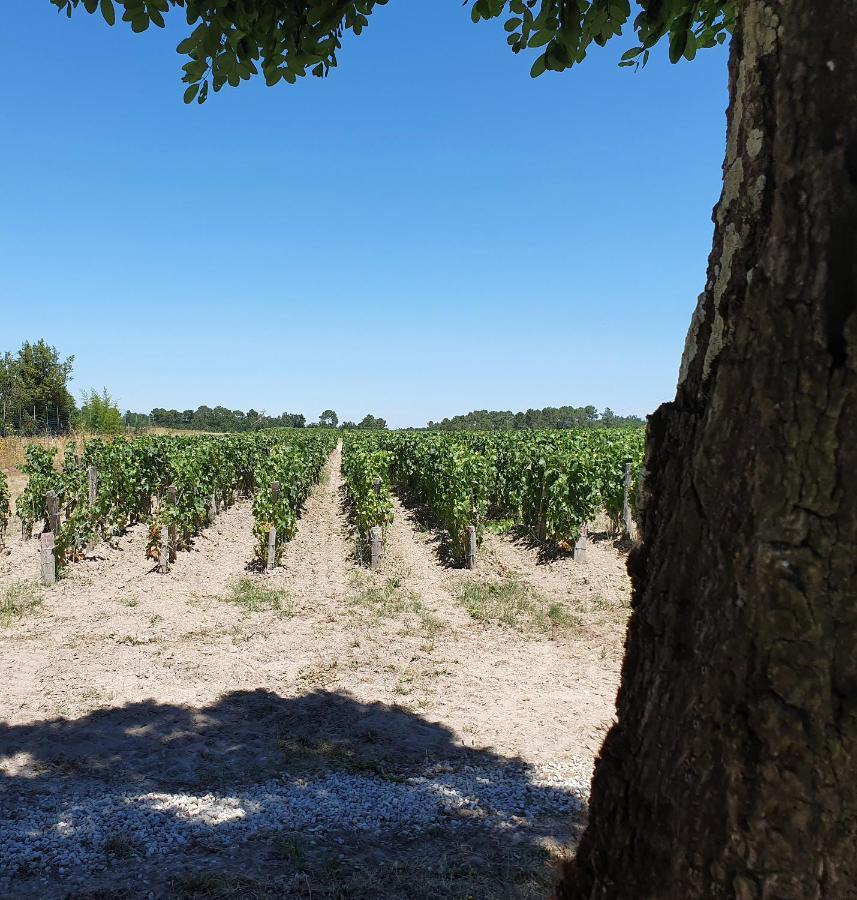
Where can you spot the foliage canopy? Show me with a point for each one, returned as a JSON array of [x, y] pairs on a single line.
[[34, 388], [232, 40], [99, 414]]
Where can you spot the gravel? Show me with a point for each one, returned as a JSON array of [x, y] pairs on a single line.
[[84, 831]]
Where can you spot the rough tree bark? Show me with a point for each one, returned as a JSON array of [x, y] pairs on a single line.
[[732, 769]]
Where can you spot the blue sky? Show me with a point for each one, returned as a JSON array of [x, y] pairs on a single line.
[[427, 231]]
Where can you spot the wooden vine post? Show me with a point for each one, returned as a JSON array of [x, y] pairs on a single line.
[[52, 503], [272, 534], [164, 561], [376, 547], [471, 546], [172, 496], [92, 485], [626, 503], [48, 557], [91, 493], [378, 485], [580, 545]]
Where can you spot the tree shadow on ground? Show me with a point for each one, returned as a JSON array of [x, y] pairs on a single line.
[[260, 795]]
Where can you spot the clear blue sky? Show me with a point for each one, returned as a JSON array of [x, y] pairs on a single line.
[[425, 232]]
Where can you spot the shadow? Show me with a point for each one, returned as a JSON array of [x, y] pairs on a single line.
[[617, 542], [546, 551], [426, 523], [146, 790], [358, 550]]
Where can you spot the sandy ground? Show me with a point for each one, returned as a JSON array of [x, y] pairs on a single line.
[[123, 674]]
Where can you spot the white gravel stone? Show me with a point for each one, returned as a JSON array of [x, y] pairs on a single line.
[[75, 832]]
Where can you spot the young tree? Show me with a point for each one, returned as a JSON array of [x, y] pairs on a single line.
[[730, 770], [99, 414]]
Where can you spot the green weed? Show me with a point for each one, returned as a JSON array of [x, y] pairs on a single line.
[[514, 604], [390, 600], [19, 599], [255, 596]]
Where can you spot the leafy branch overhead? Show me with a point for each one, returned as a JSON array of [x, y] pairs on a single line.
[[232, 40]]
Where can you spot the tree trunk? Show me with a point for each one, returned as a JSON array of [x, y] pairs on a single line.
[[732, 769]]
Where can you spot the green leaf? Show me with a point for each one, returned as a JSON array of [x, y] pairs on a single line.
[[539, 66], [678, 41], [540, 38], [191, 92], [108, 12]]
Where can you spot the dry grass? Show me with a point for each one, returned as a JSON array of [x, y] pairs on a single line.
[[307, 871], [255, 596], [391, 600], [12, 458], [19, 599], [515, 604]]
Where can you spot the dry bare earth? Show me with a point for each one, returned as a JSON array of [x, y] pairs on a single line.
[[367, 738]]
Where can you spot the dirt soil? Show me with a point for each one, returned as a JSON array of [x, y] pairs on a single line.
[[230, 693]]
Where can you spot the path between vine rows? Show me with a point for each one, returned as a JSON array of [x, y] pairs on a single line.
[[126, 680]]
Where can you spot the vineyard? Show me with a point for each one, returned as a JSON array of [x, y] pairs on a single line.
[[550, 485], [289, 631], [176, 485]]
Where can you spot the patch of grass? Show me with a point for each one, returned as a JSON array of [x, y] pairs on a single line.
[[153, 620], [220, 886], [391, 600], [515, 604], [130, 640], [255, 596], [129, 602], [323, 674], [558, 615], [385, 601], [442, 866], [404, 685], [18, 600], [288, 847], [240, 636], [121, 846]]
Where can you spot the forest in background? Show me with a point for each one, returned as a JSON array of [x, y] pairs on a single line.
[[549, 417], [35, 399]]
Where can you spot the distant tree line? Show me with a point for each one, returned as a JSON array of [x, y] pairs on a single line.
[[35, 399], [549, 417], [218, 418], [369, 422]]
